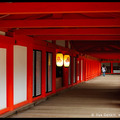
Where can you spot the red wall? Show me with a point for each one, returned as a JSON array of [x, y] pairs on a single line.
[[91, 68]]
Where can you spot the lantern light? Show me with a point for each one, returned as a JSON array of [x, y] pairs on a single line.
[[66, 60], [59, 59]]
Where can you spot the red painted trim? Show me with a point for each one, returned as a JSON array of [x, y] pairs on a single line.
[[37, 98], [78, 37], [60, 23], [6, 40], [22, 40], [58, 7], [110, 62], [55, 7], [72, 31], [4, 111], [21, 104]]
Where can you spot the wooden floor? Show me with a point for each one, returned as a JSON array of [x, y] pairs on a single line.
[[96, 98]]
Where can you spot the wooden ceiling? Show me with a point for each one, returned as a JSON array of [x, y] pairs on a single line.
[[91, 27]]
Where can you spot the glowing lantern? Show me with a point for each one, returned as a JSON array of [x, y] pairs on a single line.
[[66, 60], [59, 59]]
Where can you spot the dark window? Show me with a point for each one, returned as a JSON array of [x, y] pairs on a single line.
[[69, 73], [74, 70], [116, 67], [48, 72], [59, 71], [37, 57]]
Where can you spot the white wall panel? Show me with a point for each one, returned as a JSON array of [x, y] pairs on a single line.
[[2, 78], [20, 74], [60, 43]]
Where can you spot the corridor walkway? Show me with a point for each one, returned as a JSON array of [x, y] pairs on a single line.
[[96, 98]]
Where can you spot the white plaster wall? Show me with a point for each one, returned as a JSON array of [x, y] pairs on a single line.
[[69, 46], [49, 41], [3, 79], [60, 43], [20, 74]]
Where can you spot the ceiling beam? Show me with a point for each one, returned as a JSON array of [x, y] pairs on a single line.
[[58, 7], [78, 37], [82, 45], [106, 55], [60, 23], [73, 31], [101, 51]]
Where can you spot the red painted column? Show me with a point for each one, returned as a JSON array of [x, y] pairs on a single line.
[[76, 70], [84, 69], [100, 68], [78, 63], [44, 73], [54, 72], [29, 73], [65, 76], [66, 44], [10, 77], [79, 70], [111, 67], [71, 70]]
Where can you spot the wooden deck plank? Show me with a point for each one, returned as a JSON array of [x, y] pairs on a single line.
[[96, 98]]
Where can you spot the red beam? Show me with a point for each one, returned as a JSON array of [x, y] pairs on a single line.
[[58, 7], [78, 37], [60, 23], [106, 55], [80, 31]]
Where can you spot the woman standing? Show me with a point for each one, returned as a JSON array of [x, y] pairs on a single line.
[[104, 69]]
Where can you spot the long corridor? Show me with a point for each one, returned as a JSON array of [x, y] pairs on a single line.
[[96, 98]]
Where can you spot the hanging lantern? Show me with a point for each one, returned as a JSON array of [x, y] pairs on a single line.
[[59, 59], [66, 60]]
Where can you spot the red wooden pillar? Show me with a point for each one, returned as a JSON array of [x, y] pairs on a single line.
[[100, 68], [54, 42], [66, 44], [71, 70], [79, 70], [54, 72], [111, 67], [78, 78], [65, 75], [10, 77], [76, 70], [88, 69], [44, 73], [84, 69], [30, 73]]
